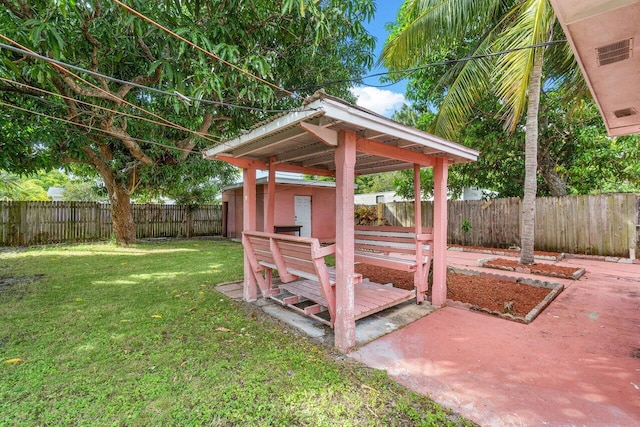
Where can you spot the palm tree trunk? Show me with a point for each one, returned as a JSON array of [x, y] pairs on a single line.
[[528, 214]]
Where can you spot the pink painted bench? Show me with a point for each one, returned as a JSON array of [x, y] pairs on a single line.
[[294, 258], [397, 248], [308, 285]]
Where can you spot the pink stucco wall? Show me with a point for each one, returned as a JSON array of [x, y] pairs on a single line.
[[323, 209]]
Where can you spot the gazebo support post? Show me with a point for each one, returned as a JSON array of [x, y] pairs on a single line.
[[439, 289], [418, 278], [271, 197], [345, 160], [250, 287]]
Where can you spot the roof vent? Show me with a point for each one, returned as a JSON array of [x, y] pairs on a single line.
[[625, 112], [614, 52]]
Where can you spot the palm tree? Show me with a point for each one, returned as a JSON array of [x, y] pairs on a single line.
[[428, 26]]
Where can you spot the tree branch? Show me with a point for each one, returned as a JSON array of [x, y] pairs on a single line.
[[96, 162], [67, 159], [146, 50], [72, 106], [141, 80], [188, 143], [95, 47], [23, 12], [90, 92], [128, 141]]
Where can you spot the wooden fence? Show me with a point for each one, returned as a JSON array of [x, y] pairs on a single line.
[[607, 224], [28, 223]]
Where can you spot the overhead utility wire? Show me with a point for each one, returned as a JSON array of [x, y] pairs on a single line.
[[91, 128], [429, 65], [174, 94], [208, 138], [61, 67], [195, 46]]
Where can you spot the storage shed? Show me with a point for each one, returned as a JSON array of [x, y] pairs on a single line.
[[307, 204]]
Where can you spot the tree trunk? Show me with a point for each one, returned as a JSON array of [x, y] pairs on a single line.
[[557, 185], [121, 213], [528, 217]]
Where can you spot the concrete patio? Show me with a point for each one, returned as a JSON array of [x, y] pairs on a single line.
[[578, 363]]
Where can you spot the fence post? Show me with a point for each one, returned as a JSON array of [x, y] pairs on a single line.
[[189, 214], [17, 222]]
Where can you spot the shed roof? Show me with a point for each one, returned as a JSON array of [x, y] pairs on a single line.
[[296, 138], [286, 181]]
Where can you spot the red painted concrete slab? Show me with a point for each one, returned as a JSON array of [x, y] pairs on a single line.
[[578, 363]]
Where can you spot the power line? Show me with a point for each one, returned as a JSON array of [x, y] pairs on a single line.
[[174, 94], [429, 65], [202, 135], [99, 89], [91, 128], [195, 46]]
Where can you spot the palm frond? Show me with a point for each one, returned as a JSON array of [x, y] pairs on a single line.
[[466, 84], [532, 25], [434, 23]]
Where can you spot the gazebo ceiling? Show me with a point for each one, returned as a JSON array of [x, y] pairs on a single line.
[[305, 140], [602, 35]]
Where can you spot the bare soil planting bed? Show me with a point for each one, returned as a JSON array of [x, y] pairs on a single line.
[[540, 269], [505, 298]]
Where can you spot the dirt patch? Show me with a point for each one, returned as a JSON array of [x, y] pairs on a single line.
[[540, 269], [17, 286], [487, 293]]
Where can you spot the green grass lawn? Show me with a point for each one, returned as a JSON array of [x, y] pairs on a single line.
[[138, 336]]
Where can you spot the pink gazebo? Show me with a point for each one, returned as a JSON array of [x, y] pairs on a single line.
[[328, 136]]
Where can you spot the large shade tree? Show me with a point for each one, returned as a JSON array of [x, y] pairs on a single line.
[[287, 43], [426, 28]]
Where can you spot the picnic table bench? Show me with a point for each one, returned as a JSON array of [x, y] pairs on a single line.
[[308, 284], [398, 248], [293, 257]]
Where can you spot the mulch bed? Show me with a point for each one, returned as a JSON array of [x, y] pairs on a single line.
[[489, 294], [541, 269], [494, 295]]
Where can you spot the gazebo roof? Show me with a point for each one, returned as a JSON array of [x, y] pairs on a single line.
[[306, 138]]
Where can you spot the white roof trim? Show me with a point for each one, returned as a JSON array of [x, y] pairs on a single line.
[[288, 120], [286, 181], [358, 117]]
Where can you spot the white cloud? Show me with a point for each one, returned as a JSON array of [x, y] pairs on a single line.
[[381, 101]]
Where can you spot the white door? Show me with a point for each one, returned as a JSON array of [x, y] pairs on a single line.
[[302, 212]]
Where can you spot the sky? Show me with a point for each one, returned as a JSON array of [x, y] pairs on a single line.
[[381, 100]]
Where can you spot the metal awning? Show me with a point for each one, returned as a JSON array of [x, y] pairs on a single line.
[[306, 139]]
